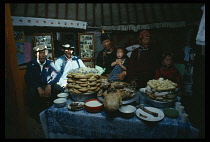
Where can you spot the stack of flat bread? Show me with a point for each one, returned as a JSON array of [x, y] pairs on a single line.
[[83, 80], [161, 90]]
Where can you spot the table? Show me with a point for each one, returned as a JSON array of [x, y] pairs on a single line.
[[63, 123]]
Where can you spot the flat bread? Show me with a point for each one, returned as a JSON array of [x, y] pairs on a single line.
[[83, 85], [161, 84], [77, 86], [70, 85], [92, 79], [93, 88], [70, 80], [83, 89], [82, 76], [92, 83], [83, 79]]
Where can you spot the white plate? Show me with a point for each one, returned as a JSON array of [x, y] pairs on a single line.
[[82, 103], [149, 116]]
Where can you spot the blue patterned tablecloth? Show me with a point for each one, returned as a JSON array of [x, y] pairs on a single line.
[[63, 123]]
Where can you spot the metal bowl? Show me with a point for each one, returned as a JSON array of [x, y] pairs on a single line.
[[160, 104], [127, 111], [82, 97]]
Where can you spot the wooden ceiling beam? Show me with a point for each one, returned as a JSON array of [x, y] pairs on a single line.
[[135, 11], [119, 13], [76, 11], [110, 6], [25, 10], [85, 11], [127, 13], [66, 11], [46, 10], [94, 15], [102, 15], [56, 11], [36, 10]]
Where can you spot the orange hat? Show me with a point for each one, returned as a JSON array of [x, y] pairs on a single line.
[[144, 33]]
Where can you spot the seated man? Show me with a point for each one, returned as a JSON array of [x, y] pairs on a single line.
[[143, 62], [40, 77], [64, 64]]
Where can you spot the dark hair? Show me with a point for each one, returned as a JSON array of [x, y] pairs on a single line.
[[124, 51], [167, 53]]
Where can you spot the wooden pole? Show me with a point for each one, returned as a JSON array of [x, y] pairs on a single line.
[[14, 75], [66, 11], [46, 10], [25, 10], [56, 11]]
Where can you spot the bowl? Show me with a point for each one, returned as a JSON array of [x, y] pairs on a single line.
[[93, 105], [127, 111], [160, 104], [60, 102], [82, 97], [63, 95]]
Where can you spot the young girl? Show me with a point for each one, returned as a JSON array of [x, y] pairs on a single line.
[[168, 71], [120, 65]]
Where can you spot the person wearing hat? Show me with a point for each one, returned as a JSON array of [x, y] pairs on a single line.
[[107, 55], [143, 62], [40, 76], [65, 63]]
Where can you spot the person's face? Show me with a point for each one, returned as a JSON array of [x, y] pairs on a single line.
[[41, 55], [145, 42], [120, 53], [106, 44], [68, 52], [168, 61]]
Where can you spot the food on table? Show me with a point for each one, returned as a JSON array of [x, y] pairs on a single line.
[[148, 111], [112, 100], [161, 90], [142, 115], [76, 105], [83, 80], [161, 84], [113, 96]]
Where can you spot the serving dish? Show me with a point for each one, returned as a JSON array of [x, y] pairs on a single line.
[[60, 102], [83, 97], [93, 105], [160, 104], [63, 95], [75, 106], [125, 102], [127, 111], [148, 117]]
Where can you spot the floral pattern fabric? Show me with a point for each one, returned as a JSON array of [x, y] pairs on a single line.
[[63, 123]]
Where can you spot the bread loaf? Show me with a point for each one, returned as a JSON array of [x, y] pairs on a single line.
[[85, 80]]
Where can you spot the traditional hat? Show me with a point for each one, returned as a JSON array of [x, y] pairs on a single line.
[[144, 34], [39, 48], [68, 44], [104, 36]]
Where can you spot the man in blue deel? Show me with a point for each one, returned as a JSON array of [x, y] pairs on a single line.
[[40, 77]]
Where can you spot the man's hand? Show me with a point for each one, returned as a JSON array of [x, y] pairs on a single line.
[[119, 61], [41, 92], [121, 76], [48, 91], [104, 53], [133, 82]]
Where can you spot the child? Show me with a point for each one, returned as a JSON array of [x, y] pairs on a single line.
[[168, 71], [120, 64]]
